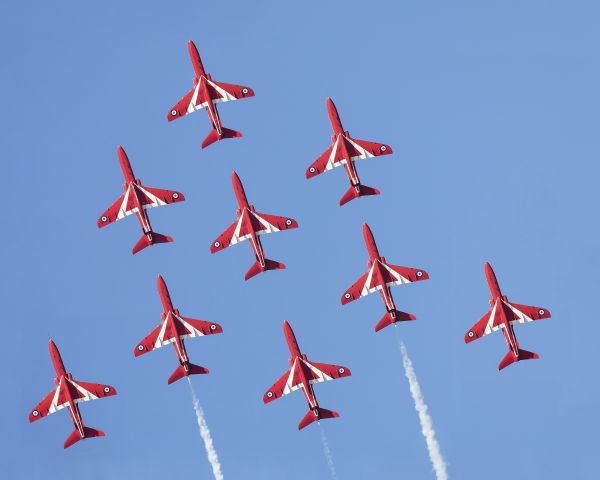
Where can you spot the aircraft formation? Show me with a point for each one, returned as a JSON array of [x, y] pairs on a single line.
[[250, 225]]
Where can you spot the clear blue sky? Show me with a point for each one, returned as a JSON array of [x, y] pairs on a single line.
[[492, 111]]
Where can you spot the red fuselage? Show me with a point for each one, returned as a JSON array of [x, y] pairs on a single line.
[[130, 182], [243, 210], [202, 78], [61, 379], [171, 325], [497, 297], [296, 357], [375, 262], [338, 136]]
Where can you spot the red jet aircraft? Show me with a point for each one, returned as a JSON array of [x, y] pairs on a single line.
[[248, 226], [502, 316], [345, 151], [381, 276], [137, 199], [303, 374], [69, 393], [174, 329], [206, 94]]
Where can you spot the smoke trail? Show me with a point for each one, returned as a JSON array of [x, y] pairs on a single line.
[[211, 453], [433, 447], [327, 453]]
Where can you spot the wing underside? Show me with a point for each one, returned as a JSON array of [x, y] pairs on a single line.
[[513, 312], [182, 328]]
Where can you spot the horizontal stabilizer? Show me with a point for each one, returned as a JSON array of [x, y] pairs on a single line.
[[88, 432], [258, 268], [150, 239], [214, 136], [511, 358], [313, 416], [393, 317], [358, 191], [181, 372]]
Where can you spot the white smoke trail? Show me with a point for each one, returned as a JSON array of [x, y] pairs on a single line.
[[211, 453], [433, 447], [327, 453]]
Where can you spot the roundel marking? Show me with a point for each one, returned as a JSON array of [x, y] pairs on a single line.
[[217, 244], [341, 370], [244, 91], [35, 413], [269, 394], [383, 148], [106, 389], [213, 327], [541, 311], [140, 347], [471, 334], [104, 218], [175, 195], [419, 274], [347, 295], [312, 169], [173, 112]]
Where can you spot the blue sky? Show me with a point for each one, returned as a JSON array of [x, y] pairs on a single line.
[[492, 111]]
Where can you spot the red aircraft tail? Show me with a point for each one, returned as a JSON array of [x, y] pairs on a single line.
[[363, 190], [88, 432], [180, 372], [392, 317], [258, 268], [511, 358], [150, 239], [311, 416], [214, 136]]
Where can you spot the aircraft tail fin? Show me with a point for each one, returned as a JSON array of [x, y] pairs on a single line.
[[358, 191], [88, 432], [258, 268], [181, 372], [392, 317], [214, 136], [150, 239], [315, 415], [511, 358]]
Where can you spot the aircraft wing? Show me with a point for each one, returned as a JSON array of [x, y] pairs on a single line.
[[329, 159], [526, 313], [321, 372], [226, 92], [361, 149], [80, 392], [51, 403], [397, 275], [122, 207], [361, 288], [288, 382], [357, 150], [125, 205], [485, 325], [271, 223], [184, 328], [235, 233], [192, 101], [515, 312], [85, 391], [155, 197]]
